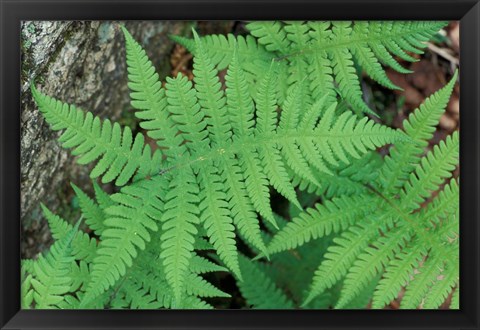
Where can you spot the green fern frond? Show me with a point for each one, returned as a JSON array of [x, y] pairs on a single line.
[[332, 217], [27, 265], [346, 179], [421, 283], [119, 154], [102, 198], [153, 285], [128, 225], [297, 33], [242, 209], [259, 290], [179, 220], [349, 137], [153, 279], [397, 275], [448, 231], [371, 263], [320, 69], [442, 288], [197, 286], [26, 298], [82, 246], [240, 104], [419, 126], [80, 275], [266, 103], [271, 35], [139, 298], [202, 244], [149, 98], [147, 288], [210, 96], [364, 297], [256, 184], [435, 167], [227, 150], [93, 213], [443, 206], [51, 280], [324, 52], [186, 113], [404, 233], [339, 258], [279, 178], [220, 50], [201, 265], [216, 219]]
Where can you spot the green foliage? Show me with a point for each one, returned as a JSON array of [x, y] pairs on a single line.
[[94, 139], [388, 232], [259, 290], [322, 53], [50, 279], [185, 206]]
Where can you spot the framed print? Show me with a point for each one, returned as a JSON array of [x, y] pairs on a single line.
[[239, 164]]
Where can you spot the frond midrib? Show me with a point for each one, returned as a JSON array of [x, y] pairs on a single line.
[[350, 42], [254, 142]]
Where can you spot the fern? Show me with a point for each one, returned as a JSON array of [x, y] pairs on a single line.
[[26, 285], [385, 233], [92, 211], [93, 139], [51, 280], [128, 225], [324, 52], [259, 290], [419, 127], [332, 216], [360, 228], [211, 149]]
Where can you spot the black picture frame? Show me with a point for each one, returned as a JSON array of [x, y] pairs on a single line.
[[14, 11]]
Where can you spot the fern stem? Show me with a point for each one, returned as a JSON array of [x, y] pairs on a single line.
[[348, 43]]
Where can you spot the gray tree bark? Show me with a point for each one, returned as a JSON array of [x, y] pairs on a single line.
[[81, 63]]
